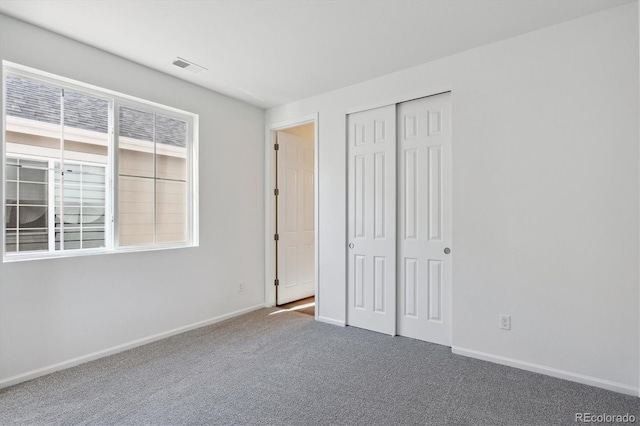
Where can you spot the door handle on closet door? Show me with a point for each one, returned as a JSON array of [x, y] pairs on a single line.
[[351, 245]]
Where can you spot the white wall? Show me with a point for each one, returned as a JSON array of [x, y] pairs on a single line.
[[53, 311], [546, 204]]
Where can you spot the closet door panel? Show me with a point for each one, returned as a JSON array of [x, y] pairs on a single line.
[[424, 215], [371, 252]]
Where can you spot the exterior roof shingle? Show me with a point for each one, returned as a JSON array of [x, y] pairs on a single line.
[[40, 102]]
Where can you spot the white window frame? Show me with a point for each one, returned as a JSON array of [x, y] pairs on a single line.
[[115, 100]]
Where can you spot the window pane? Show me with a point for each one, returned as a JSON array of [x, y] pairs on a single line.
[[33, 118], [86, 120], [33, 171], [71, 194], [32, 100], [93, 196], [72, 215], [11, 241], [170, 131], [171, 183], [93, 237], [33, 240], [171, 214], [83, 111], [136, 177], [12, 192], [32, 193], [11, 216], [71, 238], [11, 169], [92, 175], [72, 173], [136, 146], [84, 205], [135, 211], [93, 216], [86, 126], [32, 217]]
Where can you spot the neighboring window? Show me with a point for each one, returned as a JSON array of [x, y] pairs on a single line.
[[59, 193], [27, 205], [83, 198]]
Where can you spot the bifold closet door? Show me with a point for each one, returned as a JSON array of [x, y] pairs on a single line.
[[424, 219], [371, 255]]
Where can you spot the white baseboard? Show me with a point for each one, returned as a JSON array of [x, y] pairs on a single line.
[[554, 372], [10, 381], [331, 321]]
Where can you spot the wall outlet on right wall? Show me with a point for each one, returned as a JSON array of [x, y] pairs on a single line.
[[505, 322]]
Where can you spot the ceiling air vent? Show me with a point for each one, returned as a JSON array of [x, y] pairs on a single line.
[[183, 63]]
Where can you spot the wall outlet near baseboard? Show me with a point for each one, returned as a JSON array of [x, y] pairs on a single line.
[[240, 286], [505, 322]]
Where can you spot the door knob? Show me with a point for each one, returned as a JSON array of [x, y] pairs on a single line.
[[351, 245], [447, 250]]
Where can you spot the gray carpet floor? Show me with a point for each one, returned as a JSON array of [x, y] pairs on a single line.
[[286, 369]]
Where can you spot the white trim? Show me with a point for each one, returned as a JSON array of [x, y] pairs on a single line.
[[269, 270], [3, 167], [331, 321], [549, 371], [193, 132], [120, 348], [639, 201], [34, 255], [51, 214]]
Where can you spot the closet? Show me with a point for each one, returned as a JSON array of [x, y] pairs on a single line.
[[400, 219]]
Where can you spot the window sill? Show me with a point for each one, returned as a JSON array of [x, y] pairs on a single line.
[[22, 257]]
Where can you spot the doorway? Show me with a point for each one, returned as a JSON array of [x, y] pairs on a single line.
[[292, 205], [294, 214]]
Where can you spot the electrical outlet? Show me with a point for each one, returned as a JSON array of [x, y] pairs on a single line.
[[240, 286], [505, 322]]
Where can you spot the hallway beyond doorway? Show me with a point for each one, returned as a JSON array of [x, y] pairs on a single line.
[[305, 306]]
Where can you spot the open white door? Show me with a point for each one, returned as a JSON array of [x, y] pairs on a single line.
[[295, 218], [425, 218], [371, 264]]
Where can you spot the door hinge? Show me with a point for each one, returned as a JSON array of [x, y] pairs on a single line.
[[276, 282], [276, 192], [276, 237], [276, 147]]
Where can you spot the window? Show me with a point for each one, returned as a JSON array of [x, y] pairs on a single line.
[[87, 170]]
